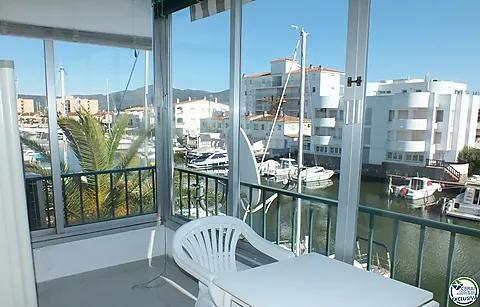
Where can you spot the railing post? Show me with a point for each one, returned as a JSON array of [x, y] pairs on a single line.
[[234, 121], [60, 214], [163, 101]]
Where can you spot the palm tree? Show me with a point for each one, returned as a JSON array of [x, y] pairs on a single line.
[[104, 189]]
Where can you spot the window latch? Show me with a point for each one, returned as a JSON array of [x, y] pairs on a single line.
[[358, 82]]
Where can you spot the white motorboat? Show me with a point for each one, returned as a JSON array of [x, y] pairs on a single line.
[[210, 160], [466, 204], [417, 188], [277, 169], [312, 174], [199, 152]]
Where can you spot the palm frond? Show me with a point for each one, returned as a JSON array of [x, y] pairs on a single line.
[[36, 168], [33, 145], [87, 140], [115, 136], [127, 157]]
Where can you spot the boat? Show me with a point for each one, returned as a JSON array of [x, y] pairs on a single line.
[[199, 152], [278, 169], [417, 188], [210, 160], [312, 174], [466, 204]]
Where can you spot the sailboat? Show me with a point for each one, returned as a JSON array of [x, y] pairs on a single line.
[[287, 167]]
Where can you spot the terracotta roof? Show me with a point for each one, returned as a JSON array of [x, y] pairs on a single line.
[[295, 135], [283, 119], [220, 117], [283, 59], [262, 74], [308, 69], [188, 101]]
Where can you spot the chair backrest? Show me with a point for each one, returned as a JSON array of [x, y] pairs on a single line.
[[208, 243]]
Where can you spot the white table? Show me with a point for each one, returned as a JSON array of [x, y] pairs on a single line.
[[314, 280]]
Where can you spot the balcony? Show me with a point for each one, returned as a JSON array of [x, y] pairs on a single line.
[[328, 122], [406, 146], [326, 140], [408, 124], [411, 100], [326, 102], [129, 258], [104, 238]]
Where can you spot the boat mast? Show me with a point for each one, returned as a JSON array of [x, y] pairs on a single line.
[[303, 34], [64, 113], [146, 117], [109, 119]]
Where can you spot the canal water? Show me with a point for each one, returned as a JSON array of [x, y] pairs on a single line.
[[373, 194]]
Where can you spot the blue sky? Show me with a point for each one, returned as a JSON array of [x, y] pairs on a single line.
[[407, 38]]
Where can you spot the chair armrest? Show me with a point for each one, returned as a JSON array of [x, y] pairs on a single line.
[[196, 270], [268, 248]]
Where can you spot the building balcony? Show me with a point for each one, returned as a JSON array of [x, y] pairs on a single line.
[[411, 100], [327, 102], [408, 124], [328, 122], [132, 251], [325, 140], [406, 146]]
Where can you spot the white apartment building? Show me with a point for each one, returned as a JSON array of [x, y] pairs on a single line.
[[406, 121], [188, 114], [261, 92], [258, 127]]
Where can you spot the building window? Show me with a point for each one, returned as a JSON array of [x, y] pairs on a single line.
[[437, 138], [340, 115], [418, 91], [255, 126], [439, 116], [391, 115], [306, 146], [332, 150], [279, 127], [368, 116], [317, 148], [408, 157], [404, 91], [219, 125], [245, 93], [313, 89], [226, 125], [389, 155], [263, 126], [402, 114]]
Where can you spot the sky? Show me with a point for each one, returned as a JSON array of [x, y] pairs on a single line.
[[408, 38]]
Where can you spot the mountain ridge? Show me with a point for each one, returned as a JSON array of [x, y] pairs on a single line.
[[135, 97]]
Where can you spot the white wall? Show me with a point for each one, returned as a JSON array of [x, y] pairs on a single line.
[[81, 256]]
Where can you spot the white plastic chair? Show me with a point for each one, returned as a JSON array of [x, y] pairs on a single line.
[[206, 247]]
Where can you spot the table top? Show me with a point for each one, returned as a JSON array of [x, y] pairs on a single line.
[[316, 280]]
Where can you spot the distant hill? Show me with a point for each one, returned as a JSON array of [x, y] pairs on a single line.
[[135, 97]]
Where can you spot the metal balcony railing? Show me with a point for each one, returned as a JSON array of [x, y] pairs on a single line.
[[106, 195], [194, 198], [92, 196]]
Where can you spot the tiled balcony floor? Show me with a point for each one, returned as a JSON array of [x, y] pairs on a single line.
[[115, 287]]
